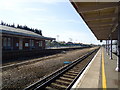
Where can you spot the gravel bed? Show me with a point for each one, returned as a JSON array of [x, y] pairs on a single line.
[[23, 75]]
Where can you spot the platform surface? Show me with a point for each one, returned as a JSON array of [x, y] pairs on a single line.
[[100, 73]]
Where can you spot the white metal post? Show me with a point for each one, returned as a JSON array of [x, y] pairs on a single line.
[[111, 47], [108, 48], [116, 46], [118, 43], [106, 45], [118, 50]]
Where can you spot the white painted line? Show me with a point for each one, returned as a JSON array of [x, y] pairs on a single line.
[[84, 72]]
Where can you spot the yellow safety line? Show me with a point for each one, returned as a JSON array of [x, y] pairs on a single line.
[[104, 86]]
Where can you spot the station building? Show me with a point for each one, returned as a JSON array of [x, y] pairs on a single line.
[[20, 39]]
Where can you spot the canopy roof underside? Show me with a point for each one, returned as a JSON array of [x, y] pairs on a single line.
[[101, 17]]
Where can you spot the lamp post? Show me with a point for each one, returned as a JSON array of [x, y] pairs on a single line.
[[57, 39]]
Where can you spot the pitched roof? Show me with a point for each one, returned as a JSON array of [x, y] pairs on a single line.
[[22, 32]]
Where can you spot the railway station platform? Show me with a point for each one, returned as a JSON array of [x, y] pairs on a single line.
[[100, 73]]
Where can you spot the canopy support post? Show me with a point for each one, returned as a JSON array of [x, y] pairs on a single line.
[[108, 49], [118, 43], [111, 47]]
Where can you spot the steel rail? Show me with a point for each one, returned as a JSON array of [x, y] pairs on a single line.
[[41, 84]]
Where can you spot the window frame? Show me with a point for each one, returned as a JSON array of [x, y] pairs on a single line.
[[40, 43]]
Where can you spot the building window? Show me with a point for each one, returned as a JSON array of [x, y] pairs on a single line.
[[31, 43], [40, 43], [9, 42], [4, 42], [26, 44], [17, 44]]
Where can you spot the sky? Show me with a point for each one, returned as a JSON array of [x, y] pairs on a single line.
[[56, 18]]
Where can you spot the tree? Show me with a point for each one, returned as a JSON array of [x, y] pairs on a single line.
[[23, 27], [2, 22], [40, 32], [18, 26], [12, 25]]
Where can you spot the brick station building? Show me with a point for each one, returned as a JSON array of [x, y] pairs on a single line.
[[20, 39]]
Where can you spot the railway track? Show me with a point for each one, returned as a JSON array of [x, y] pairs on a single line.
[[33, 59], [65, 77]]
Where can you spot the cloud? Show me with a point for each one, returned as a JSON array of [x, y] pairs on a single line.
[[54, 19], [8, 4], [14, 4], [45, 1], [35, 9]]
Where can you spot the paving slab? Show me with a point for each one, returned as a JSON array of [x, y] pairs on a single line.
[[112, 79], [92, 77]]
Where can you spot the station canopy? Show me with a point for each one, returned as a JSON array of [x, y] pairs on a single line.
[[101, 17]]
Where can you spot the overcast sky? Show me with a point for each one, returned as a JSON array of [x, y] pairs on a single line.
[[53, 17]]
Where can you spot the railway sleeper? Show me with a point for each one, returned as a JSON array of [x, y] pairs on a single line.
[[72, 74], [66, 79], [58, 86], [76, 68], [62, 82], [69, 76], [49, 88], [72, 71]]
